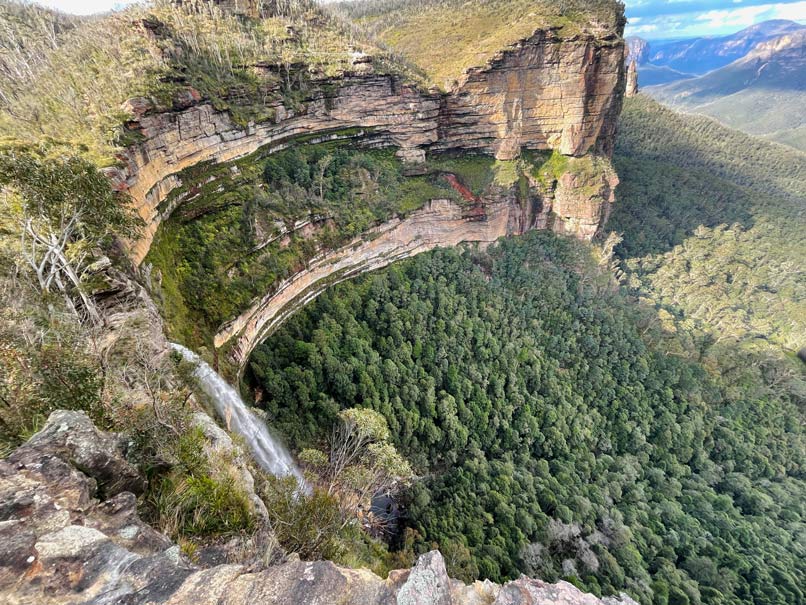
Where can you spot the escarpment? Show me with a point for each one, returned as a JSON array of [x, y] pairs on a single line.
[[394, 114], [544, 93], [543, 111]]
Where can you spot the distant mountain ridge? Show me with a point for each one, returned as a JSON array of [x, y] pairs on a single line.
[[763, 93], [701, 55], [664, 62]]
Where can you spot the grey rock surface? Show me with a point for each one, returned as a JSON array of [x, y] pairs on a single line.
[[59, 545], [72, 436]]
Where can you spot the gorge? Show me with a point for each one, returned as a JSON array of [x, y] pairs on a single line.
[[547, 94], [524, 347]]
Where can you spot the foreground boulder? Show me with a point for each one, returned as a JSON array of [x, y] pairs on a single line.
[[60, 545], [72, 437]]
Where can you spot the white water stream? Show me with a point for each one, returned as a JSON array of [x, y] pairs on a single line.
[[269, 453]]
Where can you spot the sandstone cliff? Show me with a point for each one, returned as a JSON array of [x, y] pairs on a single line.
[[392, 113], [581, 203], [545, 92], [69, 533], [632, 80]]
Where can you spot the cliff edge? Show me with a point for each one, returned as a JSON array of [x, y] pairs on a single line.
[[69, 533], [545, 92]]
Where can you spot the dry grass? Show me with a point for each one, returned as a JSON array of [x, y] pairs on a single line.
[[69, 79], [445, 37]]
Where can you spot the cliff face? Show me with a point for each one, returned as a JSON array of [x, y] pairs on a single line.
[[579, 202], [547, 94], [544, 93], [582, 200], [439, 223], [637, 50], [69, 533], [392, 113]]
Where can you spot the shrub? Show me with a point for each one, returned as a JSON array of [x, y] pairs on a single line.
[[307, 524], [194, 499]]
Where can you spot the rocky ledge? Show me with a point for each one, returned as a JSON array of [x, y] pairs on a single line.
[[579, 204], [543, 93], [69, 533]]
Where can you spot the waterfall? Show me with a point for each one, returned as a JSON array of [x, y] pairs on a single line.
[[269, 453]]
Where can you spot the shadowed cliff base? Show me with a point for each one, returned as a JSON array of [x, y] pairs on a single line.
[[681, 172]]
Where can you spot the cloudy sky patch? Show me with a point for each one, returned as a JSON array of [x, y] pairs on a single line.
[[656, 19]]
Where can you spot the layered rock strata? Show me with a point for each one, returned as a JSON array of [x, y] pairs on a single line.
[[546, 92], [60, 545], [439, 223], [577, 203], [393, 114]]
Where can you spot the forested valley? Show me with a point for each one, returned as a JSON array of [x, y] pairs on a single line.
[[627, 414], [574, 413]]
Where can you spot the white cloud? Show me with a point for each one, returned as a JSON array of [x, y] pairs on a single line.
[[748, 15], [737, 17], [642, 29], [795, 11], [717, 22]]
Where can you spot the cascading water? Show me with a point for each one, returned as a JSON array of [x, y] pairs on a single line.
[[269, 453]]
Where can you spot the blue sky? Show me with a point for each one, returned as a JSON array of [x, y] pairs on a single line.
[[652, 19]]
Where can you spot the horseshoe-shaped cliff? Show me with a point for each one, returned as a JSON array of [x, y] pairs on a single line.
[[543, 110]]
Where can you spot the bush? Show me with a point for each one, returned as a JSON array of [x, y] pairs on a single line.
[[307, 524], [44, 365], [194, 499]]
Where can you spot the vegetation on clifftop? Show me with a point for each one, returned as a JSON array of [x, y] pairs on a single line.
[[66, 78], [445, 37]]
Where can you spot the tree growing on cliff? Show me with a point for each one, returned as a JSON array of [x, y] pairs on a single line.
[[360, 462], [64, 210]]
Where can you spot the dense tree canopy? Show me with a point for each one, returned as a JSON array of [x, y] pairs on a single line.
[[550, 438], [713, 227]]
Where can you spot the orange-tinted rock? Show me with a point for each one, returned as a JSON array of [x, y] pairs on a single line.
[[186, 97], [546, 92], [632, 80], [137, 107]]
